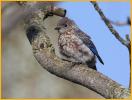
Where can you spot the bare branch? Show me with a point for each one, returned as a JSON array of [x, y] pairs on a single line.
[[44, 52], [111, 28], [126, 42], [121, 23], [81, 74]]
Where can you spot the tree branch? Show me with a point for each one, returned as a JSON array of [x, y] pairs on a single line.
[[126, 42], [110, 27], [81, 74], [119, 23], [44, 52], [39, 34]]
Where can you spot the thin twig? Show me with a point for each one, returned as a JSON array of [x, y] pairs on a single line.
[[119, 23], [111, 28], [126, 42]]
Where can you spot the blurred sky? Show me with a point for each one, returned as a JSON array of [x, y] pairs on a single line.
[[113, 53]]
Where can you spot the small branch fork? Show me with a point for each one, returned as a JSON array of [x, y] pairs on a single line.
[[111, 28]]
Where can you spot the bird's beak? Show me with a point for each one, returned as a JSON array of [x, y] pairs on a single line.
[[57, 28]]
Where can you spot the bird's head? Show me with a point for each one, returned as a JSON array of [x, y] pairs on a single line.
[[65, 24]]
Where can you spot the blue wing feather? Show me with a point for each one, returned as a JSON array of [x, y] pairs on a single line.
[[87, 41], [94, 50]]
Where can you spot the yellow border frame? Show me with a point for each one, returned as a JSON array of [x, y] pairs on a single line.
[[130, 98]]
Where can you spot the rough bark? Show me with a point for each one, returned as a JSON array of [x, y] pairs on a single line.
[[44, 52]]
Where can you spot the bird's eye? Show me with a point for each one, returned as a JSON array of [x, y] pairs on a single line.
[[65, 25]]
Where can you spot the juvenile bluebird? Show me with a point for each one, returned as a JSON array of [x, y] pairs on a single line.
[[75, 45]]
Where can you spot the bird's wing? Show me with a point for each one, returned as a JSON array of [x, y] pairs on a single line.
[[82, 36], [87, 41], [94, 50]]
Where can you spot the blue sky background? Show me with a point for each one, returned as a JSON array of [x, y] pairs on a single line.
[[113, 53]]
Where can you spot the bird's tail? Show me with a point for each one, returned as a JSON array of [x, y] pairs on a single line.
[[100, 59]]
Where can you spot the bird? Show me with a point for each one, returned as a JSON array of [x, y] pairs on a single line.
[[75, 45]]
